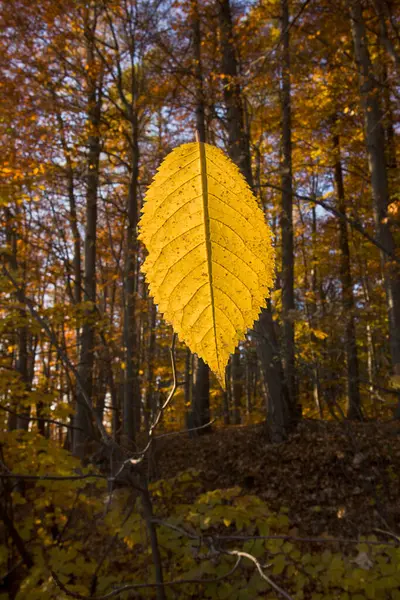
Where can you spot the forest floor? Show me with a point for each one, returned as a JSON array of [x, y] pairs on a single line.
[[340, 479]]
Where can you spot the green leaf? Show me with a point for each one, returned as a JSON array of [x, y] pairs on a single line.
[[279, 564]]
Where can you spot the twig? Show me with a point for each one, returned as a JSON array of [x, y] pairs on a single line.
[[16, 538], [285, 538], [110, 545], [261, 572], [192, 536], [52, 421], [140, 455], [63, 356], [68, 521], [51, 477], [137, 586], [13, 568], [352, 222], [290, 538], [388, 533]]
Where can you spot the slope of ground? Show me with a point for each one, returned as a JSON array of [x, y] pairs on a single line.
[[335, 478]]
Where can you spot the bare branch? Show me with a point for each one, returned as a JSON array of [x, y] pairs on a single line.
[[137, 586], [140, 455], [352, 222], [290, 538], [52, 421], [51, 477], [261, 572], [63, 356]]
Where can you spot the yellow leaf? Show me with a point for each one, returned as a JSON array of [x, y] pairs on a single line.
[[211, 261], [320, 335], [395, 382]]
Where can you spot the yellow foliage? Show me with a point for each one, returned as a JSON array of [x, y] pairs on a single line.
[[320, 335], [210, 263], [395, 382]]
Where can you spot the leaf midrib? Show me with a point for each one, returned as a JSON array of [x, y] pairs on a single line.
[[207, 233]]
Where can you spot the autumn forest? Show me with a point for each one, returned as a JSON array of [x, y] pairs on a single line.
[[200, 299]]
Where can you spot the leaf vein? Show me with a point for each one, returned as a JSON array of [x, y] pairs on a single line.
[[235, 276], [178, 261], [239, 257], [248, 249], [230, 206], [180, 281], [233, 302], [173, 214], [174, 191], [174, 240], [228, 319]]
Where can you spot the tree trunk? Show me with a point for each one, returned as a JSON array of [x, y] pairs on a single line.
[[317, 395], [287, 273], [76, 292], [376, 156], [201, 396], [237, 386], [202, 375], [188, 378], [238, 139], [354, 410], [382, 12], [226, 398], [279, 418], [198, 70], [150, 365], [82, 420], [278, 414], [21, 333], [249, 380], [131, 387]]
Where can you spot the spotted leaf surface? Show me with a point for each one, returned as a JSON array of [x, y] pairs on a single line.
[[210, 259]]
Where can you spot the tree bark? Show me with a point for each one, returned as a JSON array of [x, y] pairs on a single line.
[[277, 409], [313, 311], [83, 423], [354, 410], [238, 138], [150, 365], [131, 383], [21, 333], [198, 70], [188, 378], [201, 396], [249, 380], [376, 156], [279, 418], [287, 272], [22, 367], [201, 376], [237, 386], [382, 12]]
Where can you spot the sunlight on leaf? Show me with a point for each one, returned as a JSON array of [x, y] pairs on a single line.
[[211, 261]]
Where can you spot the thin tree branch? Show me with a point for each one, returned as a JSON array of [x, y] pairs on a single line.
[[16, 538], [140, 455], [290, 538], [137, 586], [261, 572], [52, 421], [51, 477], [43, 323], [352, 222]]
